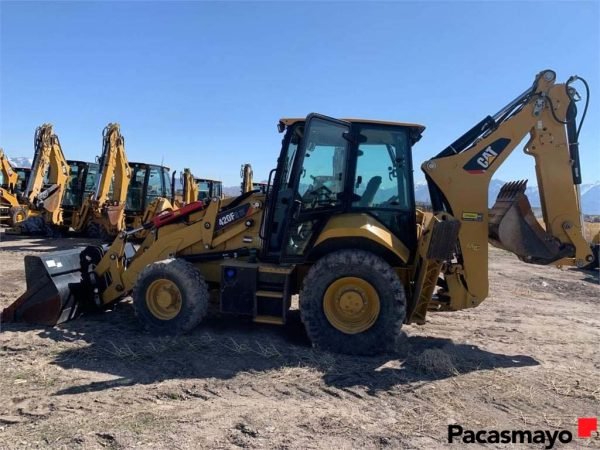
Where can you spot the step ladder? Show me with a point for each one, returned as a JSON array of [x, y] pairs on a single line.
[[272, 297]]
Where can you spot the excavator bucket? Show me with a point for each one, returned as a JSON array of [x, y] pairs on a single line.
[[53, 290], [513, 227]]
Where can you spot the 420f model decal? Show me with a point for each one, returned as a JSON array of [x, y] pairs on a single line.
[[232, 215], [484, 159]]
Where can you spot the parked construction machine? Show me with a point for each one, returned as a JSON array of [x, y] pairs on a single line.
[[13, 182], [55, 188], [248, 184], [124, 194], [208, 189], [339, 227], [102, 212], [46, 185], [189, 189]]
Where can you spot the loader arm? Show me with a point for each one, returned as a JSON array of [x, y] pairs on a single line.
[[459, 178], [45, 194], [9, 176]]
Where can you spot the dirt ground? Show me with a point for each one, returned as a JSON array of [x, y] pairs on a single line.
[[527, 358]]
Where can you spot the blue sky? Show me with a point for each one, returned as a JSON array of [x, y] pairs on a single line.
[[202, 85]]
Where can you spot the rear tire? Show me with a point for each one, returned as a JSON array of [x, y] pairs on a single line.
[[97, 231], [170, 297], [17, 214], [370, 280]]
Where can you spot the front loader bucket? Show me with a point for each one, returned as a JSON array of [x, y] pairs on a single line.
[[513, 227], [53, 288]]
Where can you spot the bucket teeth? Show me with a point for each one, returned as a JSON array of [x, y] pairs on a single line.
[[512, 189]]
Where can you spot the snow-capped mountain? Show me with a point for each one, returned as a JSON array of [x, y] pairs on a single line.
[[590, 195], [21, 161]]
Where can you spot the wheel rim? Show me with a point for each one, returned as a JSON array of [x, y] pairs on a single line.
[[351, 305], [19, 216], [163, 299]]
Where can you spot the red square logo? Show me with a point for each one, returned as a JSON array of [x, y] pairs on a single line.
[[586, 426]]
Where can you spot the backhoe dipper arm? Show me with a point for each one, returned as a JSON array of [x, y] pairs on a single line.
[[459, 178], [9, 176], [48, 159], [113, 164], [246, 174], [190, 187], [115, 172]]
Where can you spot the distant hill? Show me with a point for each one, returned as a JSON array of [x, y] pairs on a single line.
[[590, 195]]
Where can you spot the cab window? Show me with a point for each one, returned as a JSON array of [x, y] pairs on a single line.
[[383, 171], [321, 183]]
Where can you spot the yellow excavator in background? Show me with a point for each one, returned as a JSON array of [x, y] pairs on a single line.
[[12, 186], [189, 189], [248, 184], [102, 213], [46, 185], [208, 189], [340, 228]]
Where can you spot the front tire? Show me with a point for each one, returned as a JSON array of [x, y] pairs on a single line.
[[353, 302], [170, 297]]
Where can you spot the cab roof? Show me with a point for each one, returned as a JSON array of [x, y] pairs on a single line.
[[415, 126]]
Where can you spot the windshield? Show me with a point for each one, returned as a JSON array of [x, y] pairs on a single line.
[[155, 185], [383, 170]]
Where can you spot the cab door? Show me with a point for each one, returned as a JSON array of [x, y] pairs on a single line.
[[315, 188]]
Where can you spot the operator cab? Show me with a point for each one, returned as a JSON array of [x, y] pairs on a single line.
[[208, 189], [23, 174], [82, 179], [330, 167], [148, 182], [260, 187]]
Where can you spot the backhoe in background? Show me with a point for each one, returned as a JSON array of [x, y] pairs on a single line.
[[101, 214], [189, 189], [13, 182], [340, 228], [46, 185], [208, 189], [248, 184]]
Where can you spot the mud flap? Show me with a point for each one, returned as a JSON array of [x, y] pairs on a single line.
[[513, 227], [54, 290]]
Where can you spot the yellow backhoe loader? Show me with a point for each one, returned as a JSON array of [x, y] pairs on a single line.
[[46, 185], [189, 189], [102, 212], [208, 189], [247, 174], [339, 227], [12, 185]]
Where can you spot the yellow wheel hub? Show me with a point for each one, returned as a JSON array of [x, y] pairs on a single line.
[[351, 305], [163, 299], [19, 216]]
